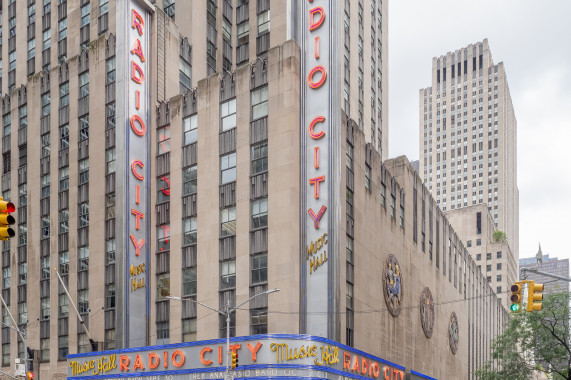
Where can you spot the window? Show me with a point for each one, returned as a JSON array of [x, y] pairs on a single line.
[[12, 60], [64, 136], [163, 140], [103, 7], [7, 123], [488, 256], [110, 70], [189, 281], [63, 308], [163, 330], [85, 14], [228, 274], [63, 347], [110, 296], [83, 127], [264, 22], [478, 256], [469, 243], [31, 14], [163, 286], [189, 330], [45, 308], [83, 258], [259, 321], [228, 221], [489, 268], [82, 343], [110, 114], [64, 95], [259, 268], [228, 114], [243, 30], [189, 180], [83, 301], [47, 38], [499, 254], [22, 313], [184, 73], [45, 267], [45, 182], [45, 227], [499, 266], [478, 242], [83, 171], [22, 234], [163, 189], [163, 238], [62, 28], [259, 213], [83, 214], [45, 145], [47, 6], [259, 158], [190, 129], [383, 195], [22, 273], [499, 278], [46, 104], [228, 168], [189, 228], [31, 48], [64, 263], [110, 206], [110, 160], [367, 177], [498, 290], [64, 178], [6, 278], [84, 84], [393, 201], [260, 103]]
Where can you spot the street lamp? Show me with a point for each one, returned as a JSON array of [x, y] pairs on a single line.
[[227, 311]]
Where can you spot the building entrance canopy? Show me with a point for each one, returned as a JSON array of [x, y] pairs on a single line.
[[259, 356]]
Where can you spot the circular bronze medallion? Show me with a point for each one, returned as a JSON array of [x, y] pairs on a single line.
[[392, 285], [427, 312], [453, 333]]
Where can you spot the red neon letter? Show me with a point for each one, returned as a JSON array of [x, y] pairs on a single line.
[[137, 22], [346, 361], [254, 350], [312, 134], [137, 194], [138, 363], [317, 84], [142, 129], [166, 190], [316, 24], [376, 369], [139, 215], [316, 157], [138, 99], [137, 245], [138, 50], [387, 375], [165, 362], [136, 69], [180, 355], [317, 47], [153, 360], [123, 363], [317, 217], [202, 360], [315, 181], [363, 365], [134, 165], [219, 354], [235, 347]]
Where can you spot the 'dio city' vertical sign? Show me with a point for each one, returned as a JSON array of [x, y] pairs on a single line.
[[133, 53], [320, 131]]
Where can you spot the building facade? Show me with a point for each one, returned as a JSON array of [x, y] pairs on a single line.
[[187, 161], [552, 265]]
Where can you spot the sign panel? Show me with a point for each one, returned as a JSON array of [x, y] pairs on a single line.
[[262, 356], [133, 94]]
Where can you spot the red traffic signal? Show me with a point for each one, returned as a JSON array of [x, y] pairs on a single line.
[[6, 219]]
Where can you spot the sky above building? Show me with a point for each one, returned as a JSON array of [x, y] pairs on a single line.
[[534, 42]]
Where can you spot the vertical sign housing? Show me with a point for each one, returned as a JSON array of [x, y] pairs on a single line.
[[133, 143], [318, 131]]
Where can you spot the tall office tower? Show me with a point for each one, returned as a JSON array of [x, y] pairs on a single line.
[[552, 265], [468, 137], [201, 149]]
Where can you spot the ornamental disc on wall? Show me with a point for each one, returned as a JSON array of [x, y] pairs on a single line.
[[453, 332], [392, 285], [427, 312]]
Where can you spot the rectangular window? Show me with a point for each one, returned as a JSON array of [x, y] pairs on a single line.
[[110, 206], [83, 171], [12, 61], [64, 263], [110, 296], [82, 258], [83, 127], [478, 256], [393, 201], [383, 195], [83, 84], [45, 227], [163, 238], [6, 273], [263, 22], [163, 330], [45, 308], [259, 213], [31, 14], [260, 103], [499, 266], [7, 123], [259, 268], [499, 254], [22, 313], [163, 286], [83, 301], [367, 177], [103, 7], [63, 347], [46, 104], [189, 180], [85, 15], [22, 273], [259, 321], [31, 48], [227, 274], [45, 183], [184, 73], [45, 267], [63, 308], [110, 71], [228, 168], [228, 115], [189, 281], [163, 140], [228, 222], [64, 178], [243, 30], [64, 136], [189, 231], [163, 189], [110, 160], [190, 129], [64, 95], [22, 234], [45, 145], [259, 158], [47, 38], [189, 330], [83, 214], [479, 223], [63, 221], [62, 28]]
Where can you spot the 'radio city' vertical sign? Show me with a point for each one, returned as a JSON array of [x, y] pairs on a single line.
[[133, 56], [317, 183]]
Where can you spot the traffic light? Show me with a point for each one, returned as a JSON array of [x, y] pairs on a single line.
[[29, 375], [6, 232], [234, 359], [516, 298], [533, 294]]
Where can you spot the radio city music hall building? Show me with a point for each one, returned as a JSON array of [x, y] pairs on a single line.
[[216, 150]]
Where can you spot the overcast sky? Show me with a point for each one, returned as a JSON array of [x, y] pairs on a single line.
[[533, 39]]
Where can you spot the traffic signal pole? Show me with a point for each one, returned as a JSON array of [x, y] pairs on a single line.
[[545, 274]]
